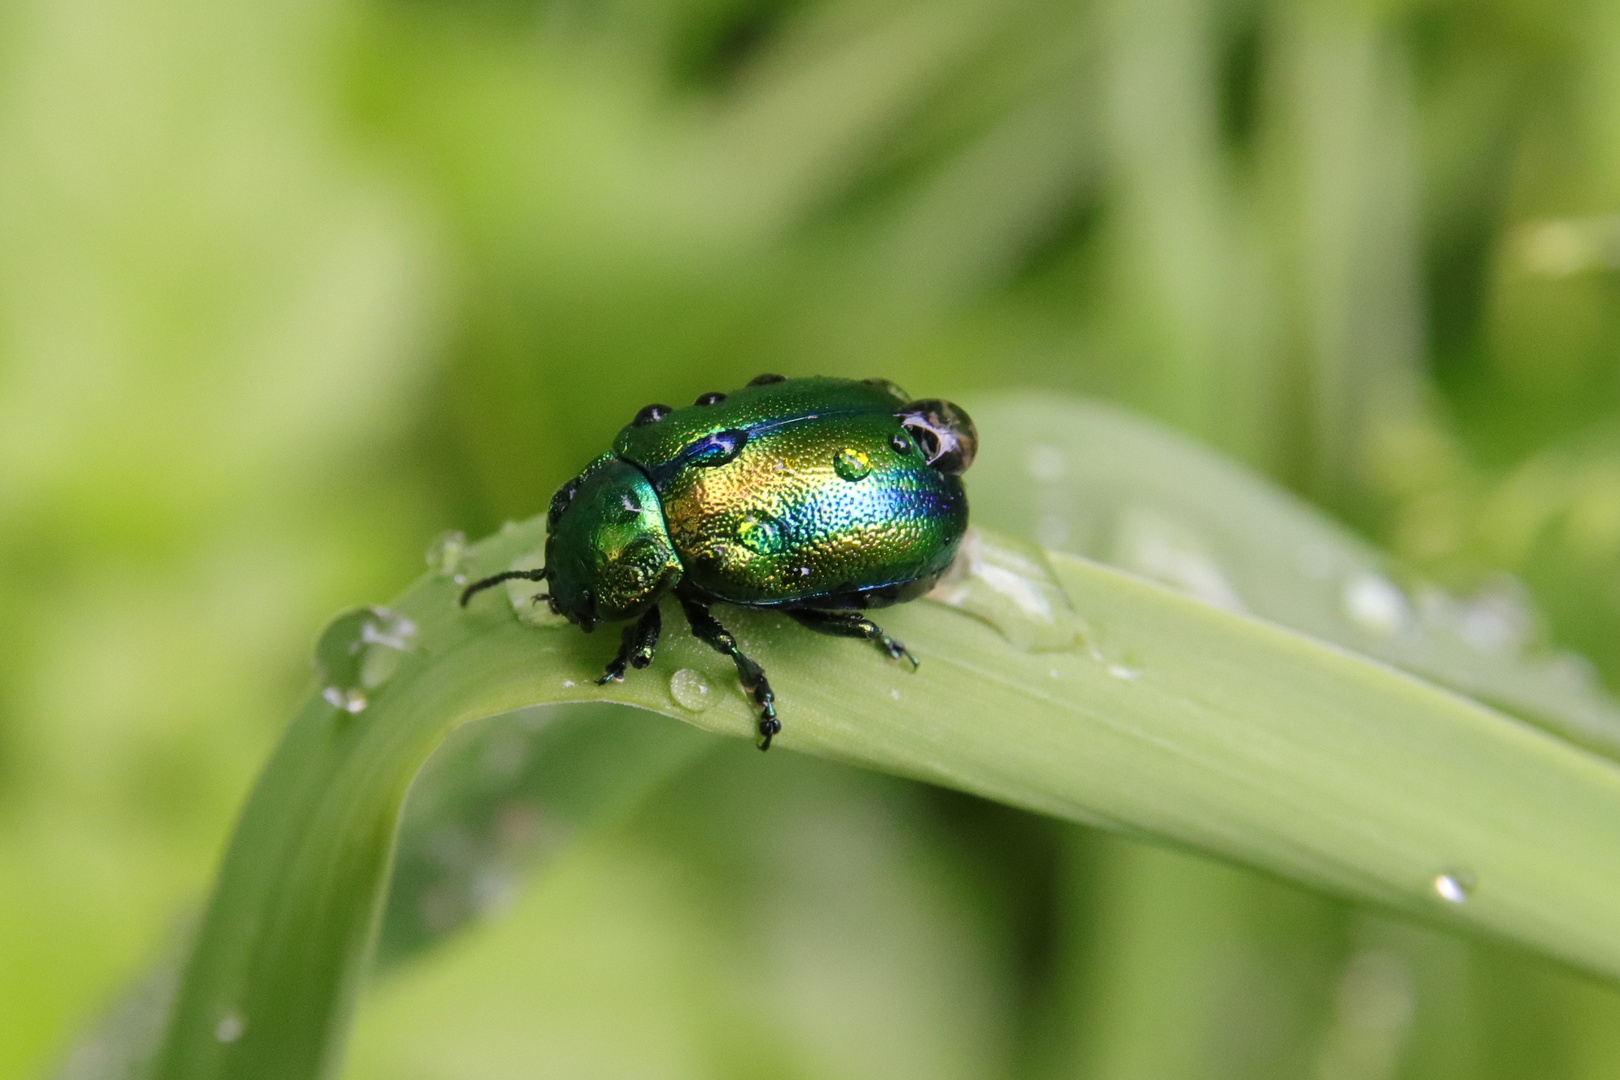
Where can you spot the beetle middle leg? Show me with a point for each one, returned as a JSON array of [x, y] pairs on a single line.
[[708, 629], [636, 648], [850, 624]]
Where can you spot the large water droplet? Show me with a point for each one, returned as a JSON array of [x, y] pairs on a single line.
[[690, 690], [1009, 584], [358, 652], [1376, 604], [521, 594], [444, 554], [852, 465], [1454, 886], [231, 1027]]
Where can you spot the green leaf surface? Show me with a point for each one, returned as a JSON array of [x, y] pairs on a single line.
[[1171, 716]]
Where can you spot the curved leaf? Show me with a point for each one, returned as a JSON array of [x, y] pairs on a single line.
[[1171, 717]]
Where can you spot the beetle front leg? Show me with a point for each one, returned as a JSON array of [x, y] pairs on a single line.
[[708, 629], [849, 624], [636, 648]]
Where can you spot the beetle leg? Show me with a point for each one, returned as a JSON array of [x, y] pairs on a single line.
[[708, 629], [849, 624], [636, 648]]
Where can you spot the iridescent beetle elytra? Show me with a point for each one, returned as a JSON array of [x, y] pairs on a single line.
[[816, 497]]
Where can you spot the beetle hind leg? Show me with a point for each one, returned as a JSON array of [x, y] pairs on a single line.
[[708, 629], [636, 648], [850, 624]]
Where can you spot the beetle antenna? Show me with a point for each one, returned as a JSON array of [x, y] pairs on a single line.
[[509, 575]]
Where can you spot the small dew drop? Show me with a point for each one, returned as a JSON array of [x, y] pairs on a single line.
[[230, 1028], [1376, 604], [445, 553], [350, 701], [895, 694], [1055, 673], [1454, 887], [852, 465], [358, 652], [569, 683], [1120, 671], [690, 690]]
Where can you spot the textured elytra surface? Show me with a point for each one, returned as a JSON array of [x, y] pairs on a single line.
[[832, 498], [752, 409]]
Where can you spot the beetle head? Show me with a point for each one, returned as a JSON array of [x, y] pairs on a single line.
[[608, 554], [943, 432]]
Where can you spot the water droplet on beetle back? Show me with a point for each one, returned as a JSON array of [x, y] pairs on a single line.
[[852, 465], [358, 652], [760, 533]]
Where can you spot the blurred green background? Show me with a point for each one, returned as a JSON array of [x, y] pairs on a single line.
[[288, 288]]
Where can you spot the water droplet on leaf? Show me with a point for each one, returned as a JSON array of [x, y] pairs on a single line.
[[444, 554], [358, 652], [1376, 604], [1009, 584], [1454, 887], [521, 594], [690, 690], [230, 1028]]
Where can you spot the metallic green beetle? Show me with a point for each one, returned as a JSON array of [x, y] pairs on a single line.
[[817, 497]]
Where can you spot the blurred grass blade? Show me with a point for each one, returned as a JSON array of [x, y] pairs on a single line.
[[1176, 719], [1097, 481]]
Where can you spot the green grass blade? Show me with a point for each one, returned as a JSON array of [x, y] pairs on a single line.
[[1181, 720], [1097, 481]]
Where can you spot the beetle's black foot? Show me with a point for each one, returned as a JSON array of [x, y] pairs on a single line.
[[708, 629], [636, 648], [850, 624]]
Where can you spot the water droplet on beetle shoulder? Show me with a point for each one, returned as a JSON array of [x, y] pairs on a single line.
[[358, 652], [852, 465], [1009, 584], [1455, 886], [445, 553], [230, 1028], [690, 690], [1376, 604]]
